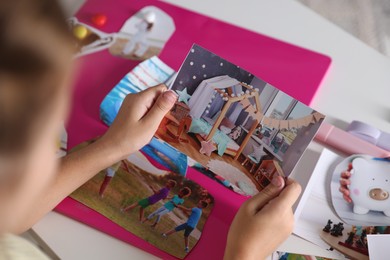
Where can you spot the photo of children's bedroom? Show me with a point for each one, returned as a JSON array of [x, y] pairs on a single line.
[[236, 125]]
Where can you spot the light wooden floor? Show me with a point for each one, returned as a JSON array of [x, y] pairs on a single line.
[[192, 150]]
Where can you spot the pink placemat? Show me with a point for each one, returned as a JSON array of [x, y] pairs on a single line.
[[292, 69]]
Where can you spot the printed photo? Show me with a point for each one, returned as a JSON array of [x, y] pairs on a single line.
[[150, 200], [167, 156], [240, 129], [148, 73], [235, 124], [144, 34], [360, 190]]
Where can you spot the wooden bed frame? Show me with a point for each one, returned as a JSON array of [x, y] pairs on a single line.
[[186, 122]]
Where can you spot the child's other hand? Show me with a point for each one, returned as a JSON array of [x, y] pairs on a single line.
[[345, 182], [263, 222], [138, 120]]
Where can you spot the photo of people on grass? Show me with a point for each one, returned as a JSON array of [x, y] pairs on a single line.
[[149, 200]]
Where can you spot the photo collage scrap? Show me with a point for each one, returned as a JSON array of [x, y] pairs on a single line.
[[227, 124]]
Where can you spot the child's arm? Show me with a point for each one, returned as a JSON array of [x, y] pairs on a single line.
[[187, 210], [134, 126]]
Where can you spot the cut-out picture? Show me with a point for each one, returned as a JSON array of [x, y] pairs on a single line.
[[88, 39], [167, 156], [235, 124], [144, 34], [360, 190], [149, 200], [133, 82]]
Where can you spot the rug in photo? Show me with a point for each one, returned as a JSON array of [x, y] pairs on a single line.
[[149, 200], [235, 124]]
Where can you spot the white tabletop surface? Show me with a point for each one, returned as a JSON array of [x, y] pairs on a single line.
[[357, 87]]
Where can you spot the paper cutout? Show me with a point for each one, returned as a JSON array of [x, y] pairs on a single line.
[[143, 35]]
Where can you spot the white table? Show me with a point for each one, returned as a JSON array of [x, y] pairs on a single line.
[[357, 87]]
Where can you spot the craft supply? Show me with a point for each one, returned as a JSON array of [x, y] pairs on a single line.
[[80, 32], [99, 20], [370, 134], [346, 142]]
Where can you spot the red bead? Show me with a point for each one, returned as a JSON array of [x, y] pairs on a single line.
[[99, 19]]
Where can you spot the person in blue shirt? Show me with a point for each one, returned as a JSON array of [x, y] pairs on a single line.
[[191, 223], [173, 202]]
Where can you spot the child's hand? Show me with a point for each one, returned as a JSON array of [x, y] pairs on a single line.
[[263, 222], [138, 120], [344, 182]]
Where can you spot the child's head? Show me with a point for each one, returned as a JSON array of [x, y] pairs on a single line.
[[185, 192], [150, 18], [35, 55], [170, 184], [202, 204], [34, 60]]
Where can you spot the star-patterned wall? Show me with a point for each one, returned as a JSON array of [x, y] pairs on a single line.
[[201, 64]]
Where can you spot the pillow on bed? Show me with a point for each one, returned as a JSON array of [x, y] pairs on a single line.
[[225, 130], [226, 123]]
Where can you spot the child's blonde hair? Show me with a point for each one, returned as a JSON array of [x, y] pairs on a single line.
[[30, 72]]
